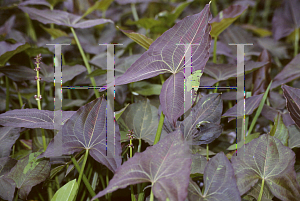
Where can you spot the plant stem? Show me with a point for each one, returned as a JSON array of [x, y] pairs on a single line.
[[131, 186], [216, 89], [214, 7], [82, 167], [159, 128], [151, 196], [259, 109], [49, 189], [296, 42], [57, 182], [266, 11], [86, 63], [107, 181], [261, 190], [139, 150], [253, 13], [84, 179], [16, 198], [44, 139], [207, 152], [38, 88], [7, 93], [215, 50], [142, 194], [134, 12]]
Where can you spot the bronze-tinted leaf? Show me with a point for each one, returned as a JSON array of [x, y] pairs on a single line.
[[292, 96]]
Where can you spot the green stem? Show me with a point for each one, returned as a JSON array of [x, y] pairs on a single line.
[[207, 152], [216, 89], [214, 7], [296, 42], [57, 182], [253, 13], [142, 194], [30, 28], [16, 198], [50, 193], [107, 182], [84, 179], [86, 63], [134, 12], [161, 78], [82, 167], [261, 190], [139, 150], [7, 93], [266, 11], [151, 196], [44, 139], [215, 49], [38, 88], [159, 128]]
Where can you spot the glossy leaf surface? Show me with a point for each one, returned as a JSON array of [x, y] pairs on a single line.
[[66, 192]]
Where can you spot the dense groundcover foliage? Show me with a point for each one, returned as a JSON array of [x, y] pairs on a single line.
[[162, 148]]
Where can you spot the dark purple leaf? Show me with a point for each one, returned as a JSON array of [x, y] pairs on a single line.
[[294, 136], [7, 185], [61, 18], [86, 129], [68, 72], [208, 109], [277, 100], [198, 164], [286, 19], [270, 113], [222, 49], [290, 72], [276, 48], [225, 71], [29, 172], [219, 182], [266, 158], [7, 27], [261, 77], [292, 96], [18, 73], [31, 118], [8, 137], [165, 56], [251, 104], [166, 165], [8, 50]]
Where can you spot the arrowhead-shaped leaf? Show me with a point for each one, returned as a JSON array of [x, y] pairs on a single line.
[[143, 119], [8, 137], [286, 19], [225, 18], [292, 96], [290, 72], [208, 110], [166, 165], [86, 129], [267, 158], [219, 182], [29, 172], [165, 55], [32, 118], [59, 17], [251, 104]]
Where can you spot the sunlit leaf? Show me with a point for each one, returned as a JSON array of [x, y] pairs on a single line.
[[262, 32], [140, 39], [294, 136], [166, 165], [66, 192], [146, 88], [267, 158], [219, 182]]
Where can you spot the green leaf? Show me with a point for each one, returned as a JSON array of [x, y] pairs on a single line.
[[55, 33], [259, 31], [194, 80], [97, 72], [219, 182], [99, 5], [146, 88], [8, 50], [267, 158], [248, 139], [225, 18], [120, 112], [29, 172], [140, 39], [294, 136], [67, 192], [146, 23], [280, 131]]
